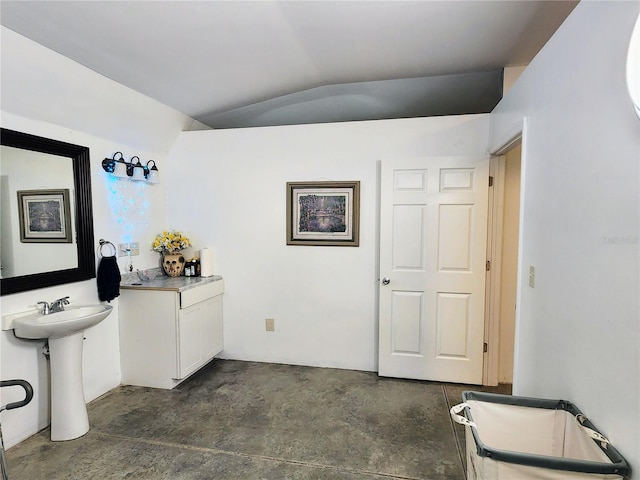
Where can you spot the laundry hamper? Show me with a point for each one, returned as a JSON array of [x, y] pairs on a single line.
[[521, 438]]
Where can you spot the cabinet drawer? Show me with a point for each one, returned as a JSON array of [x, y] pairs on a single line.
[[198, 294]]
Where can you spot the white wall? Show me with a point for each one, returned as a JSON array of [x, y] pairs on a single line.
[[510, 75], [48, 95], [578, 333], [228, 193]]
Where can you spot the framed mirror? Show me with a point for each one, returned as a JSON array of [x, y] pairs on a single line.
[[46, 215]]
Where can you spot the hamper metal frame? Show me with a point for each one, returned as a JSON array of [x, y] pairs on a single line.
[[618, 465]]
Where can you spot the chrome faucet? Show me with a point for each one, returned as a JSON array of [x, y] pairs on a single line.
[[58, 305], [45, 308], [55, 306]]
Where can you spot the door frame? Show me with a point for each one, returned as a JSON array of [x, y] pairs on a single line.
[[517, 136], [492, 283]]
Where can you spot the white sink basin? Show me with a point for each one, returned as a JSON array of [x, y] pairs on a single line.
[[64, 332], [74, 319]]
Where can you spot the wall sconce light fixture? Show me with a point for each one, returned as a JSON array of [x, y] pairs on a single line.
[[117, 167], [152, 174]]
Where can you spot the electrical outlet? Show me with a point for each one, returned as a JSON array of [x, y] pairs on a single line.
[[135, 248], [270, 325]]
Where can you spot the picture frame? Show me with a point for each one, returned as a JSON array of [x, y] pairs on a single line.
[[44, 216], [323, 213]]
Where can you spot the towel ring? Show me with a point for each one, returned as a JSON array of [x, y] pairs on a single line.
[[106, 242]]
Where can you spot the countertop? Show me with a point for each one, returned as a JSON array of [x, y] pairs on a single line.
[[159, 281]]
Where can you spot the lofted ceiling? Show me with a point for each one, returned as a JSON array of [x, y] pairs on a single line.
[[254, 63]]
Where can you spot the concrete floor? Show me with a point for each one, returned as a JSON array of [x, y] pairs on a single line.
[[243, 421]]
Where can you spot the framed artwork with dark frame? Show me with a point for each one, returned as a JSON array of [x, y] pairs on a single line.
[[44, 216], [323, 213]]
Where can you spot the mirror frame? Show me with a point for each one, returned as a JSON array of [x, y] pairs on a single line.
[[86, 268]]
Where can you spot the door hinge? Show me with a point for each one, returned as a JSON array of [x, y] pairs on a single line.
[[488, 265], [485, 348], [491, 181]]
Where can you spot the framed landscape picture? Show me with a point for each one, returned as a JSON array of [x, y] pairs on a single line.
[[44, 216], [323, 213]]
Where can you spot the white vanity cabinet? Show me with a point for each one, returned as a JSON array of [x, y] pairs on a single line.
[[166, 334]]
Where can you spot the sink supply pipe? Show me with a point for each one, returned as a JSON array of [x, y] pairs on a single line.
[[28, 395]]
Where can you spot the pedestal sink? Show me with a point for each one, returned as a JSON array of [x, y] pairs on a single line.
[[65, 333]]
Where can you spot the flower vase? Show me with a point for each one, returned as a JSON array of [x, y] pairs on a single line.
[[173, 263]]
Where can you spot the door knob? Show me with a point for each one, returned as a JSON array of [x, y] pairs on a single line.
[[386, 281]]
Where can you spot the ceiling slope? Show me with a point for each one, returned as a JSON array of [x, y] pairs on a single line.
[[242, 63]]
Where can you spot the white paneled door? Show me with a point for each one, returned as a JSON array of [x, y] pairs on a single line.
[[433, 233]]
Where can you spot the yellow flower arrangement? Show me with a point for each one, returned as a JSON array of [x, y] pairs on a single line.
[[170, 240]]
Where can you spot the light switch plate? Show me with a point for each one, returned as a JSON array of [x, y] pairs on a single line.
[[128, 249], [532, 276]]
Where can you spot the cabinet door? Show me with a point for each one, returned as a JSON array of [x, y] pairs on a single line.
[[190, 339], [199, 335], [212, 339], [148, 348]]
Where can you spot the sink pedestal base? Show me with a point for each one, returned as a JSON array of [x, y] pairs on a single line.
[[69, 417]]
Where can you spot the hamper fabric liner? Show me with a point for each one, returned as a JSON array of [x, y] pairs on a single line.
[[523, 438]]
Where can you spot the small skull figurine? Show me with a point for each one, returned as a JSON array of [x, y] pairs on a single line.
[[173, 265]]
